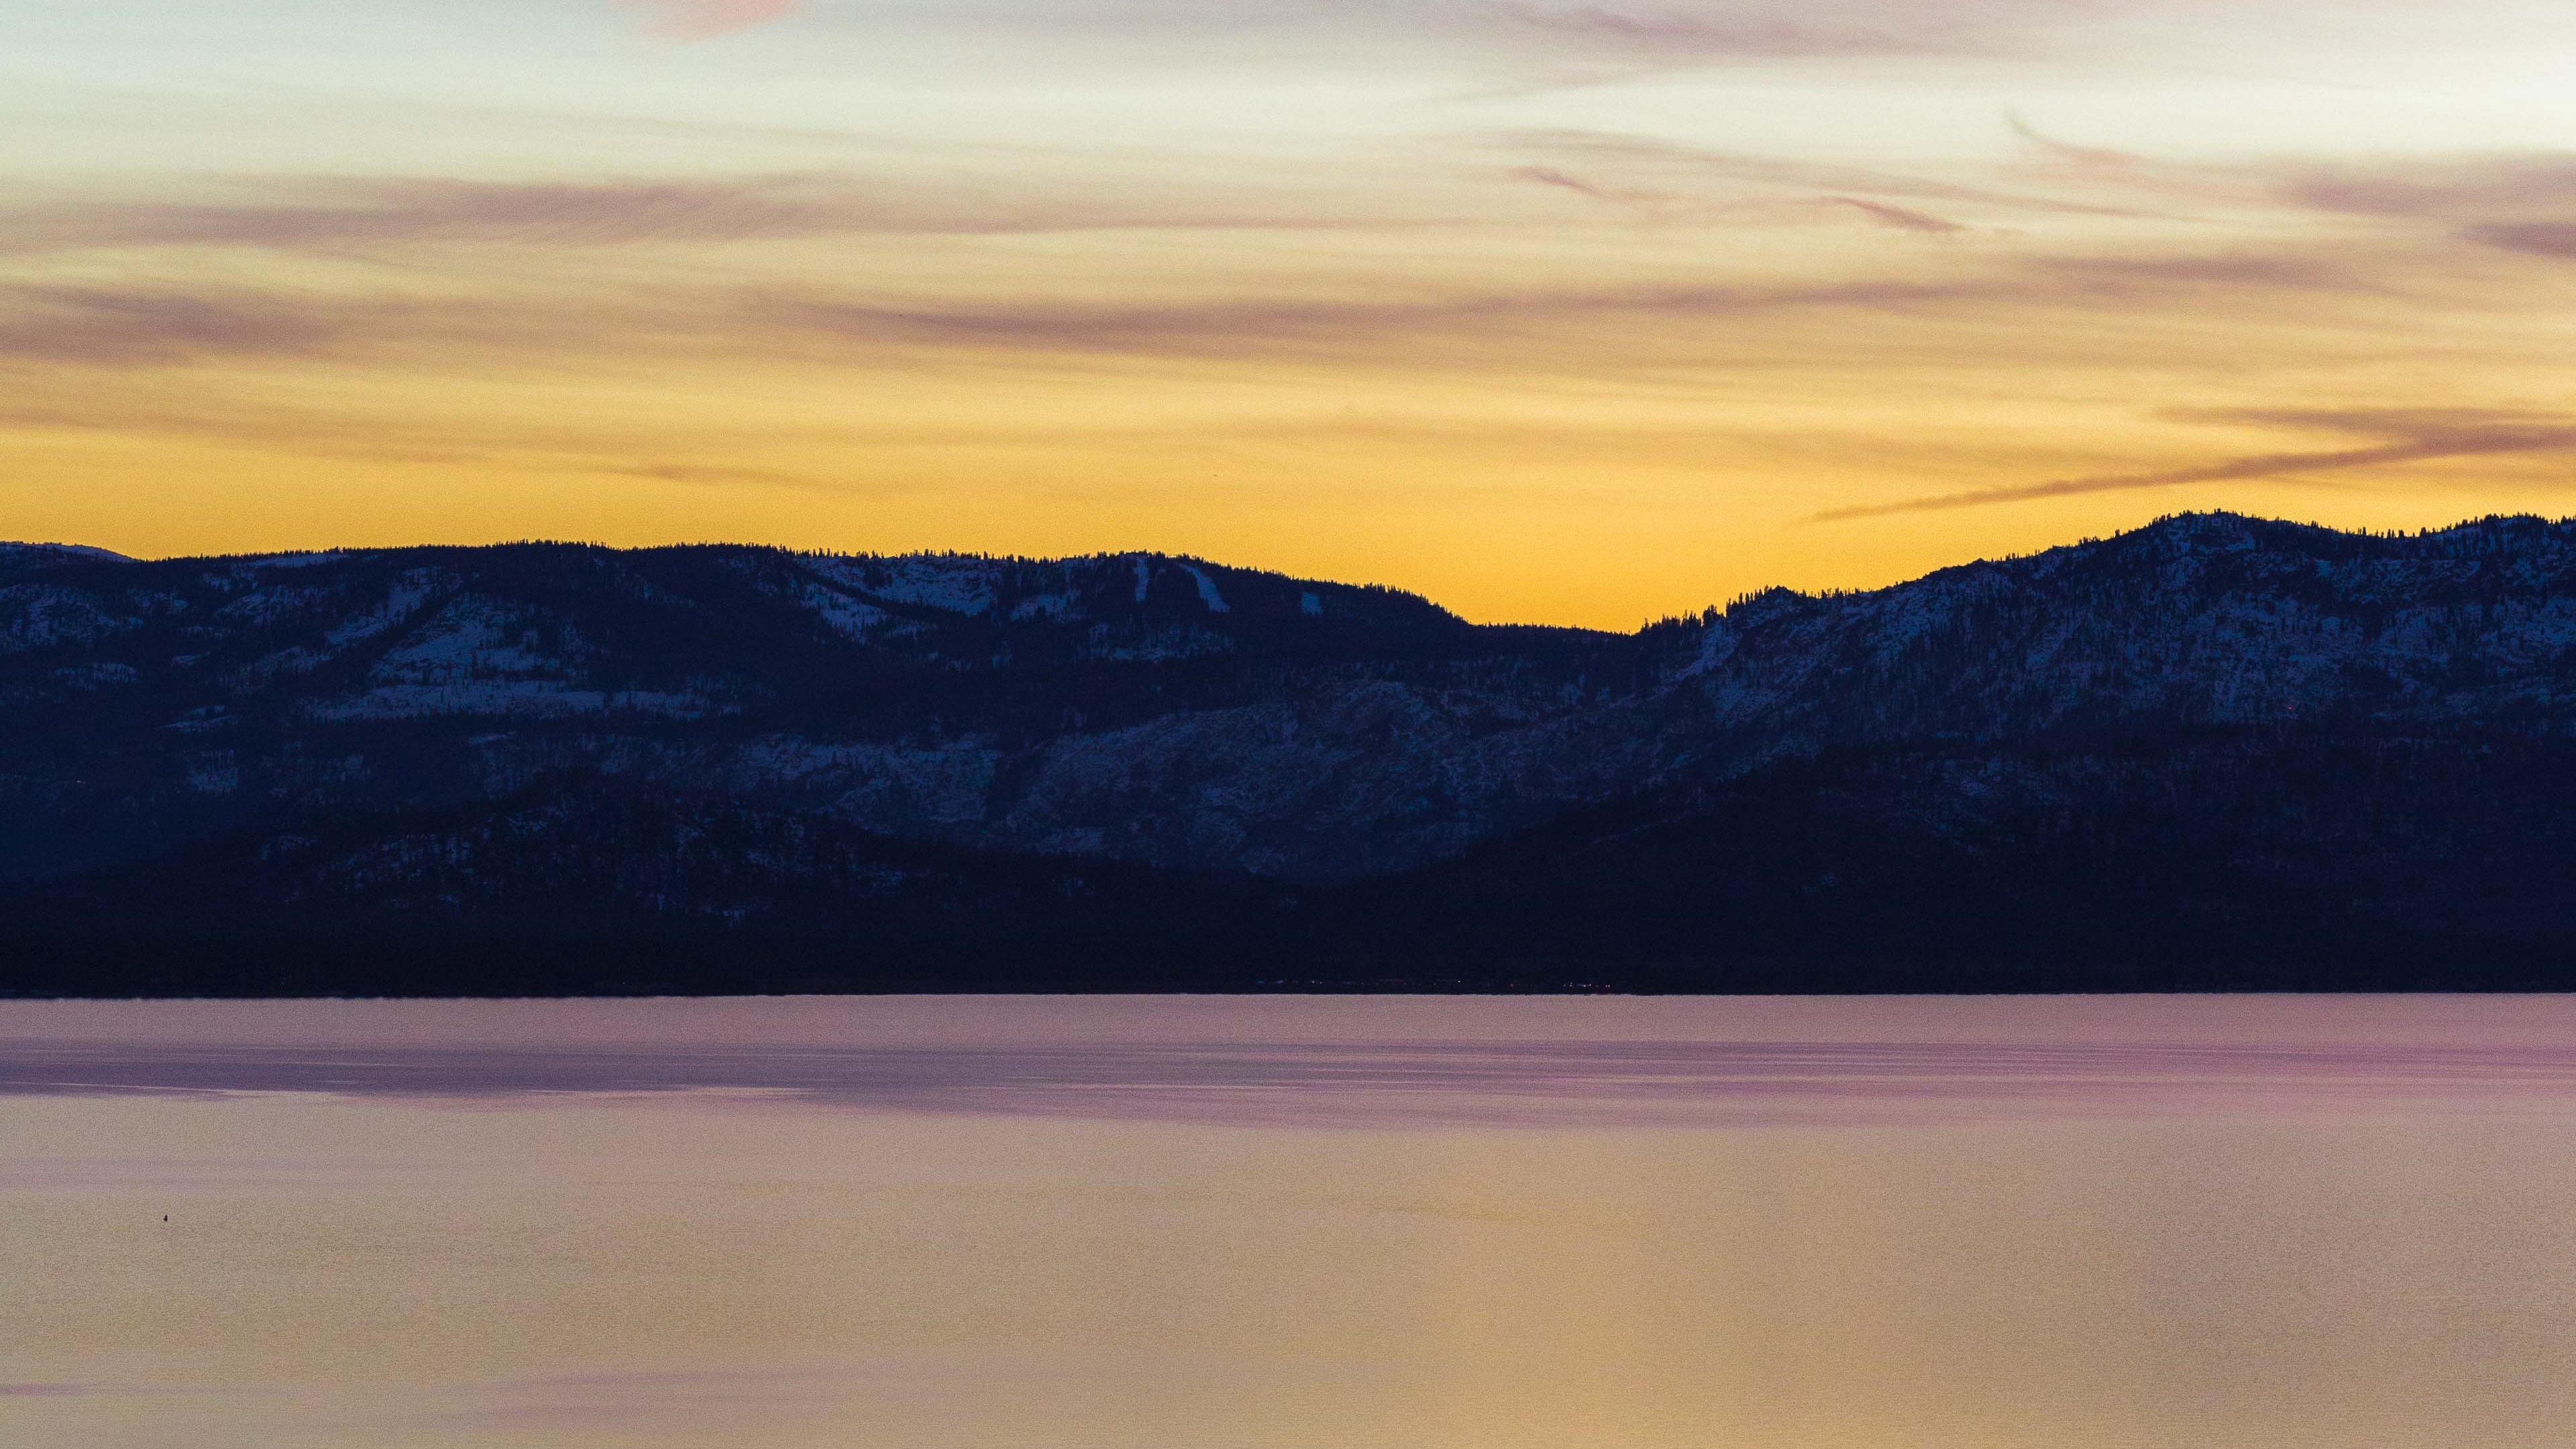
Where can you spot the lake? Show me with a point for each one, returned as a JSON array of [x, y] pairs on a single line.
[[1022, 1223]]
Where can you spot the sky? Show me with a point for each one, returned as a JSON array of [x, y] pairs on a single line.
[[1555, 311]]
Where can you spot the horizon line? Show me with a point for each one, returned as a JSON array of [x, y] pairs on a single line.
[[104, 555]]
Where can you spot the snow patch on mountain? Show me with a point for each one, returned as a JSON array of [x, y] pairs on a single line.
[[41, 616], [1058, 607], [534, 699], [844, 615], [403, 597], [951, 583], [213, 772], [96, 676], [1207, 590], [269, 605]]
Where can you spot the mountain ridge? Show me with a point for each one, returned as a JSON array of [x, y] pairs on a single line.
[[1204, 724]]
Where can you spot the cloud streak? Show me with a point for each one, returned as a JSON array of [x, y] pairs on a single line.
[[148, 327], [1674, 35], [112, 327], [355, 212], [1900, 217], [1687, 32], [2093, 158], [377, 210], [144, 325], [2535, 238], [2408, 436], [1242, 327], [1566, 181], [1669, 159], [705, 19], [2438, 188]]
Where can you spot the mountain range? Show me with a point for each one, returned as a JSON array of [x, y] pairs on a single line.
[[2214, 752]]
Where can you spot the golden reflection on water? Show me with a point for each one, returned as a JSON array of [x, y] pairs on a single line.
[[2368, 1240]]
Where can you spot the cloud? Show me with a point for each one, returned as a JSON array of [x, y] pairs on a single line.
[[1902, 218], [1671, 35], [158, 325], [1564, 181], [150, 327], [2128, 276], [1671, 159], [720, 475], [700, 19], [346, 211], [1245, 326], [2539, 238], [2441, 188], [1675, 33], [2094, 158], [360, 211], [2519, 202], [2406, 435], [112, 327]]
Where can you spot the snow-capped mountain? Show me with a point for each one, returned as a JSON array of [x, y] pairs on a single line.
[[2201, 619], [1175, 712], [1140, 706]]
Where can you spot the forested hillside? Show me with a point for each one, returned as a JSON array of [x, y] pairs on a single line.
[[2222, 746]]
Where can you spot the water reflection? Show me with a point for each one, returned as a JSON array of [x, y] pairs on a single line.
[[1350, 1062], [1781, 1225]]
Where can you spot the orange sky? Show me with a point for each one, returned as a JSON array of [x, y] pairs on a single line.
[[1570, 313]]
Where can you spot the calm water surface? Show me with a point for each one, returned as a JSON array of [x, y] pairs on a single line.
[[1179, 1222]]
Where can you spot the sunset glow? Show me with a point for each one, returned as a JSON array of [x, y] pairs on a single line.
[[1551, 311]]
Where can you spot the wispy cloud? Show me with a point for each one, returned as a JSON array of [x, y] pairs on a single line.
[[1900, 217], [152, 325], [700, 19], [2539, 238], [721, 475], [1662, 34], [2517, 202], [1672, 34], [359, 211], [1352, 324], [143, 327], [2169, 274], [1671, 161], [2097, 158], [2441, 188], [1567, 181], [2404, 435], [1236, 327]]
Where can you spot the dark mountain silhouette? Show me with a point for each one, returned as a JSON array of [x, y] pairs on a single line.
[[2216, 751]]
